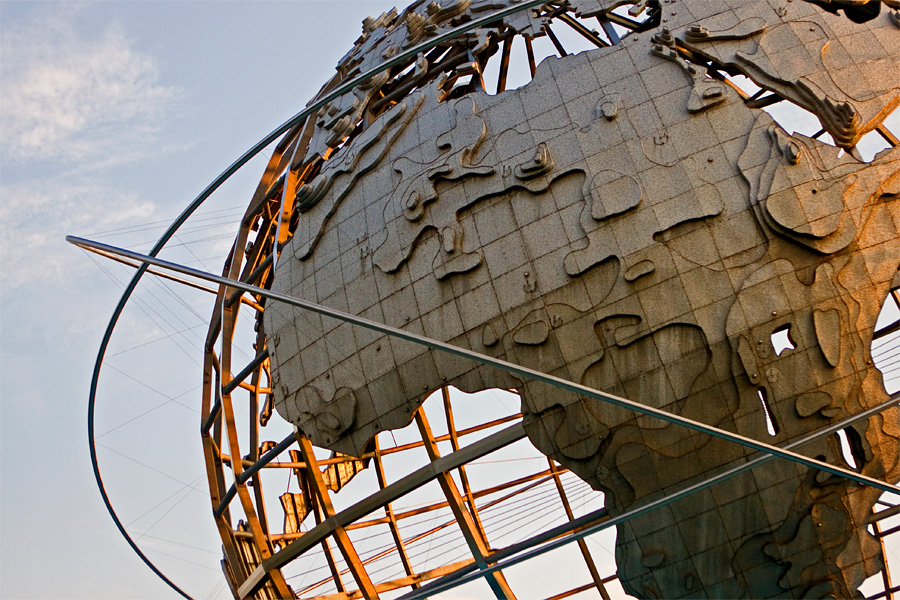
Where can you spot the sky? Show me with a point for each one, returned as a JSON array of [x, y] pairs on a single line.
[[113, 116]]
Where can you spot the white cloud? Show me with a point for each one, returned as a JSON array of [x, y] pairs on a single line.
[[80, 107], [70, 97], [35, 216]]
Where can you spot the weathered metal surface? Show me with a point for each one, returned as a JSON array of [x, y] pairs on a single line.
[[625, 221]]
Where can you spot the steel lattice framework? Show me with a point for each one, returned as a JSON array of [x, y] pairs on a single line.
[[260, 556]]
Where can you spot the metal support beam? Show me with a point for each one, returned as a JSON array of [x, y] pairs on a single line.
[[399, 488], [340, 534], [463, 477], [392, 520], [250, 471], [582, 545], [240, 377], [502, 364], [477, 543], [552, 539]]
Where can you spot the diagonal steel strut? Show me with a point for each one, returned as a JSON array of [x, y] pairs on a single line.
[[488, 360], [586, 525]]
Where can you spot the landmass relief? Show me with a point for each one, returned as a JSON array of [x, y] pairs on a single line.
[[629, 220]]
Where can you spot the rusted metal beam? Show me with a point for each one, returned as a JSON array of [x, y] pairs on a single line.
[[340, 534], [584, 31], [540, 477], [478, 544], [402, 582], [886, 571], [392, 520], [582, 544], [413, 481], [504, 64], [391, 450], [888, 135], [529, 51], [246, 371], [454, 443]]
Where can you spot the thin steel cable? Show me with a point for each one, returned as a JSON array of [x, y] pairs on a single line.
[[147, 412], [143, 306], [161, 502], [153, 389], [153, 341], [187, 492]]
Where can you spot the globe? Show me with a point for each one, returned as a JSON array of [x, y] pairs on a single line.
[[630, 221]]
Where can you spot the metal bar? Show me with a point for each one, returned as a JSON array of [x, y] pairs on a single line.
[[240, 377], [572, 592], [211, 418], [529, 50], [393, 449], [252, 470], [254, 389], [252, 410], [529, 551], [556, 42], [541, 477], [454, 443], [584, 31], [610, 31], [502, 364], [403, 486], [764, 101], [886, 330], [884, 514], [326, 546], [478, 544], [504, 65], [624, 21], [399, 583], [266, 459], [888, 135], [392, 519], [889, 594], [363, 582], [449, 62], [582, 545], [384, 553], [258, 271], [886, 571], [226, 500]]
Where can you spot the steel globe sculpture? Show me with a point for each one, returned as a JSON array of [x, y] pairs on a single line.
[[622, 241]]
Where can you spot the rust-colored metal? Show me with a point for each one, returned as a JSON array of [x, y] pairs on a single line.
[[582, 544], [454, 443], [255, 561], [478, 544], [323, 495], [392, 520]]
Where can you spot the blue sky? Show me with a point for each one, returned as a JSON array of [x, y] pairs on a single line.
[[113, 116]]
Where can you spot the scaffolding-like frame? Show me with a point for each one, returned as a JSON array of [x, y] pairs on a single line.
[[254, 554]]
